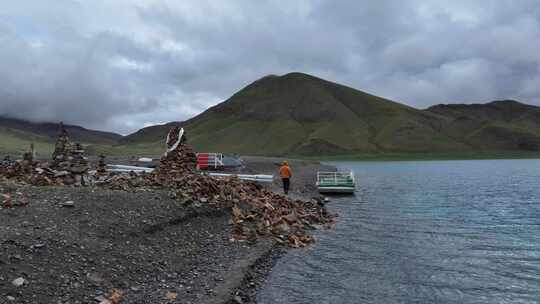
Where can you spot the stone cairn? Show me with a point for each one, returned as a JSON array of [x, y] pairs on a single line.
[[27, 163], [101, 169], [77, 162], [62, 150], [68, 157], [179, 157]]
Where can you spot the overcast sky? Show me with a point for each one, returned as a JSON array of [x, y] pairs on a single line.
[[123, 64]]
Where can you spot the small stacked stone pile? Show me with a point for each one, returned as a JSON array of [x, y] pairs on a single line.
[[77, 162], [180, 159], [27, 163], [6, 162], [6, 166], [101, 166], [62, 150], [24, 166]]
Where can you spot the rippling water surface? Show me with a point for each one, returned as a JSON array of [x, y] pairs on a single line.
[[423, 232]]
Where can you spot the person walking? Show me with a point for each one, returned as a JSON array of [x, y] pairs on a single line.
[[286, 174]]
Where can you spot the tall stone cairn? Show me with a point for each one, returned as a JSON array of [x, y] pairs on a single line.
[[179, 160], [62, 149]]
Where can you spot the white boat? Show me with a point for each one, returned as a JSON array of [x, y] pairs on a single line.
[[263, 178], [335, 182]]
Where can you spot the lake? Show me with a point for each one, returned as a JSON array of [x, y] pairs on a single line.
[[423, 232]]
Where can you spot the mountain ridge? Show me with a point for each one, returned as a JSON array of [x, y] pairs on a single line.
[[300, 114], [323, 117], [509, 124], [50, 129]]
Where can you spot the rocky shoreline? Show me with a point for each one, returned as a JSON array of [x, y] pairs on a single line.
[[303, 187], [81, 245]]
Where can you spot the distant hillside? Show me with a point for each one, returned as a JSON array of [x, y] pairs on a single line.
[[305, 115], [504, 125], [16, 142], [49, 130]]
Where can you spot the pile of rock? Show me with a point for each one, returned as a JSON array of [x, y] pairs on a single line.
[[78, 164], [62, 150], [255, 210], [69, 166], [68, 156], [6, 162], [101, 169], [22, 167], [179, 157], [27, 164]]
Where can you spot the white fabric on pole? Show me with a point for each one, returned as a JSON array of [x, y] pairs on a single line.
[[180, 134]]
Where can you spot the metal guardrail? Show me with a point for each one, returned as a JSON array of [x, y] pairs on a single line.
[[263, 178], [335, 178], [125, 168]]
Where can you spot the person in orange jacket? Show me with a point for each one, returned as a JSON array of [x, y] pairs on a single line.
[[286, 174]]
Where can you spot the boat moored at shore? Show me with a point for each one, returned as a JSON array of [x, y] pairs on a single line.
[[335, 182]]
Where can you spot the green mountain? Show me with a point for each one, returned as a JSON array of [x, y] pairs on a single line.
[[303, 115], [298, 114], [504, 125]]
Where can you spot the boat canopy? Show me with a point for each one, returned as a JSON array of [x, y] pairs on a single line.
[[335, 182]]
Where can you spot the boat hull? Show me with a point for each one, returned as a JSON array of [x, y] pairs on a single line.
[[336, 189]]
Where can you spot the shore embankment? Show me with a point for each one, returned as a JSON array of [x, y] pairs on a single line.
[[84, 244]]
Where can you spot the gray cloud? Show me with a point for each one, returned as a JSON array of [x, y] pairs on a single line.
[[121, 65]]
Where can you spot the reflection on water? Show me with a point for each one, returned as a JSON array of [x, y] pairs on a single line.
[[423, 232]]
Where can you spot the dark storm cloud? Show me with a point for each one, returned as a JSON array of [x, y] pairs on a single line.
[[122, 64]]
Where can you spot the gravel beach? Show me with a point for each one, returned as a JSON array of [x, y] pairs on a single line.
[[81, 245]]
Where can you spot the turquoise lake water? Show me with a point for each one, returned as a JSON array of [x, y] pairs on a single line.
[[423, 232]]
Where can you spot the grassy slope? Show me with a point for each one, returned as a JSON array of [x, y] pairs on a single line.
[[139, 149], [496, 126], [304, 115], [50, 130], [16, 142]]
